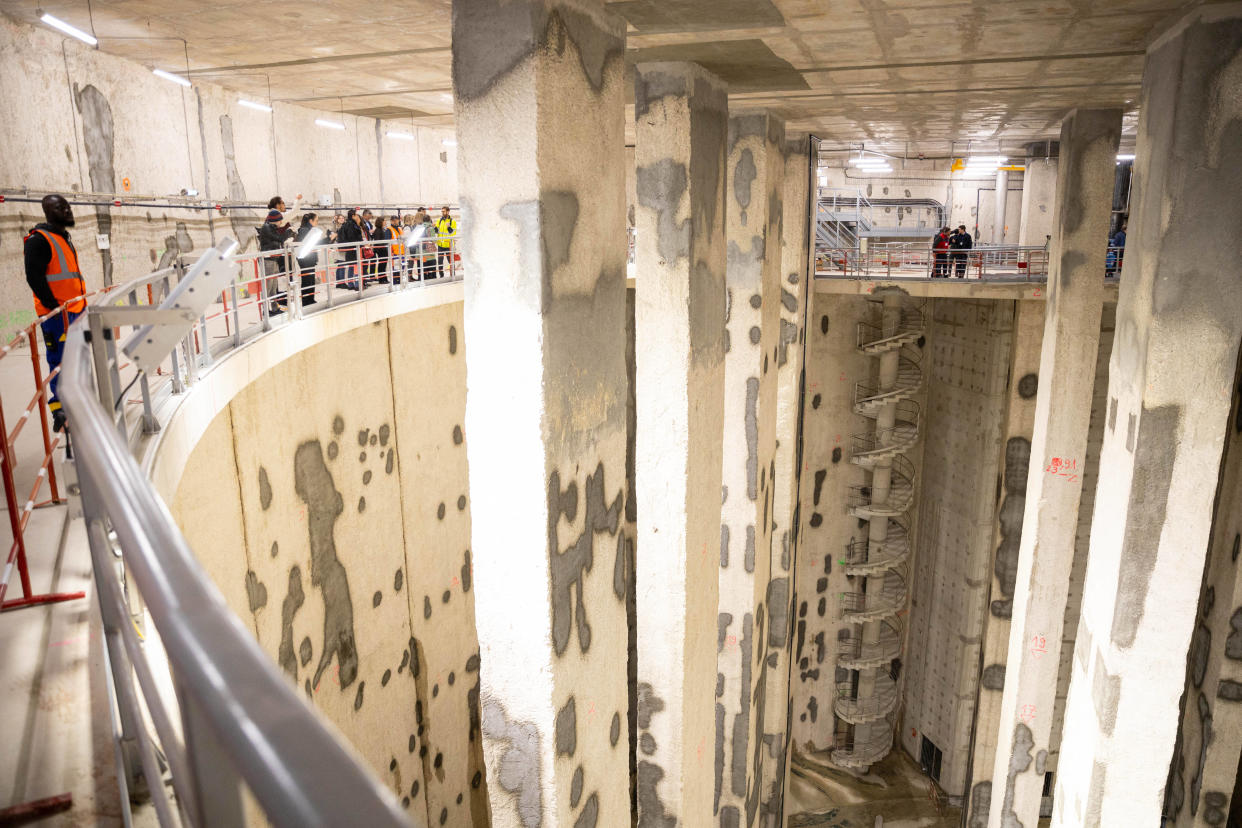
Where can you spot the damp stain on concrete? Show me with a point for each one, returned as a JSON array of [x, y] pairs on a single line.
[[661, 187], [1012, 509], [314, 485], [294, 598], [99, 138], [517, 771], [568, 569], [1145, 518]]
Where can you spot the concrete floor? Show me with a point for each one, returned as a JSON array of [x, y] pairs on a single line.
[[895, 794], [53, 692]]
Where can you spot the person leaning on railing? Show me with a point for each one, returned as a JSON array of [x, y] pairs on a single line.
[[446, 229], [55, 280], [427, 258], [350, 235], [959, 242], [273, 234], [310, 260]]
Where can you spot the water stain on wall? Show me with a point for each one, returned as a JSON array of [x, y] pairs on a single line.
[[242, 223], [98, 136], [314, 485], [569, 568], [518, 769]]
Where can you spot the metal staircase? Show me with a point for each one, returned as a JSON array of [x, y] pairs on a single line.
[[878, 562], [841, 219]]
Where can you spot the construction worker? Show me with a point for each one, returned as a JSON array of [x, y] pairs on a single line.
[[446, 229], [55, 279]]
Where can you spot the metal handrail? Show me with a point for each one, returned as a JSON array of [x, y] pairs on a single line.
[[852, 647], [240, 720], [892, 589], [907, 417], [864, 392], [859, 552], [870, 333], [919, 261], [903, 473]]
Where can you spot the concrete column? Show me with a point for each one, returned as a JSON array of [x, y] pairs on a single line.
[[800, 166], [1059, 455], [998, 215], [1039, 190], [681, 120], [545, 309], [1017, 429], [1174, 362], [754, 215]]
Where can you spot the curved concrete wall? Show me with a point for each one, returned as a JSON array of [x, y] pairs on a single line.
[[320, 474]]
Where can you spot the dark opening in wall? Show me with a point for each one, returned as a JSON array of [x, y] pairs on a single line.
[[929, 758]]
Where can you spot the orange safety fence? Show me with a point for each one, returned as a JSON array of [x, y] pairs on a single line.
[[19, 512]]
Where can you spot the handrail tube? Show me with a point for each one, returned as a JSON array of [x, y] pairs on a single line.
[[298, 769]]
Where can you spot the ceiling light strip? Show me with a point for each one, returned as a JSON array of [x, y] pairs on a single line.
[[72, 31]]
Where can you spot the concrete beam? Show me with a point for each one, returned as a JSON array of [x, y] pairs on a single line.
[[545, 312], [1173, 368], [1089, 141], [681, 126], [756, 171]]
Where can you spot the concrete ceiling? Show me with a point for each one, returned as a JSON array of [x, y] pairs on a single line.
[[884, 72]]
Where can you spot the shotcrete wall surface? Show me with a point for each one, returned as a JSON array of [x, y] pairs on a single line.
[[966, 367], [320, 475], [81, 121]]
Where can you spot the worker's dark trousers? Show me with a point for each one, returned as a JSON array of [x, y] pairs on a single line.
[[54, 348]]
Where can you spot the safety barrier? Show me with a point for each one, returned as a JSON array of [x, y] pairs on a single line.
[[19, 510], [236, 722], [920, 261]]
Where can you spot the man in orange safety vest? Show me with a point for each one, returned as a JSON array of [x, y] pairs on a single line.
[[55, 279]]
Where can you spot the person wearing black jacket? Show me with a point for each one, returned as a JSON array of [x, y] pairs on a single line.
[[308, 262], [960, 242], [347, 274], [273, 233]]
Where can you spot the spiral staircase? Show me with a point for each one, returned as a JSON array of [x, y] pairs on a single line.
[[877, 564]]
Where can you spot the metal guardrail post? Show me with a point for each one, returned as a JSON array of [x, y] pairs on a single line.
[[217, 789], [99, 352], [142, 774], [293, 293], [38, 378], [237, 337]]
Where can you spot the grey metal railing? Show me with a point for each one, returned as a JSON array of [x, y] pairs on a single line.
[[236, 721], [917, 260]]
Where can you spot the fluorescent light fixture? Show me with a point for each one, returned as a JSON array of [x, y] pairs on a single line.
[[868, 159], [72, 31], [169, 76], [308, 243], [329, 124], [253, 105], [449, 142], [1125, 157], [400, 136]]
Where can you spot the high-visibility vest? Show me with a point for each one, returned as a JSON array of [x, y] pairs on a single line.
[[445, 228], [398, 249], [63, 275]]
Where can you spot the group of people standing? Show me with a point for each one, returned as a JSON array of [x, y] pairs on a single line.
[[376, 249], [950, 246]]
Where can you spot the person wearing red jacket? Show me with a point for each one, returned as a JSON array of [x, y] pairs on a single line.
[[940, 244]]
